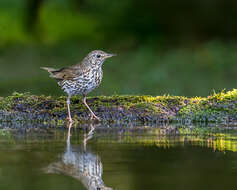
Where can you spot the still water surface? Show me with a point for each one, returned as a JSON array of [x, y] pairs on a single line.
[[126, 158]]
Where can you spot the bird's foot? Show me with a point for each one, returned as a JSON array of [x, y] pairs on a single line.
[[70, 120], [93, 116]]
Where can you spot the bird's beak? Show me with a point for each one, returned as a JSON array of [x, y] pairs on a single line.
[[110, 55]]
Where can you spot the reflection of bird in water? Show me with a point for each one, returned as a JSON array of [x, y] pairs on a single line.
[[81, 164]]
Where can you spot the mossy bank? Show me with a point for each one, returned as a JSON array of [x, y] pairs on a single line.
[[218, 107]]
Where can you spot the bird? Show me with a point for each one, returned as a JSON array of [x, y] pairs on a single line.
[[81, 78]]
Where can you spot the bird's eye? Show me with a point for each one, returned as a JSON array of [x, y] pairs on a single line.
[[98, 55]]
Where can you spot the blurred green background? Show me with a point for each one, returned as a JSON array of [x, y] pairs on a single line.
[[176, 47]]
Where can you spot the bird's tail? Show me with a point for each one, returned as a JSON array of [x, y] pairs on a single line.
[[50, 70]]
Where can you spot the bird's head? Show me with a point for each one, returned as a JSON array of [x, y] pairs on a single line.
[[97, 57]]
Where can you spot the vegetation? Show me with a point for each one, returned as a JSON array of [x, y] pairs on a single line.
[[181, 53], [219, 107]]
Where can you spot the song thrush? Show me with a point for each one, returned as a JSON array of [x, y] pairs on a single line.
[[82, 78]]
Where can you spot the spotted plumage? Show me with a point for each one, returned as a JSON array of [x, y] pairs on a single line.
[[84, 83], [82, 78]]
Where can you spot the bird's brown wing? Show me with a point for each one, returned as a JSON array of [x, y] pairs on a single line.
[[65, 74], [68, 73]]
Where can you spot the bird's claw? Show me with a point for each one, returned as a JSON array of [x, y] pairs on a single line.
[[95, 117], [70, 119]]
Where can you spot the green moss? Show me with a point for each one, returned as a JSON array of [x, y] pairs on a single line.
[[147, 107], [224, 96], [215, 108]]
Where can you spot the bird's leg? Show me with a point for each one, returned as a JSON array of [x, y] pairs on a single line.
[[68, 109], [91, 112], [69, 126]]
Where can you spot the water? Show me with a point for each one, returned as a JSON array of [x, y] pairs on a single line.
[[121, 158]]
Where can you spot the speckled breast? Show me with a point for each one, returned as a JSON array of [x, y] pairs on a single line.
[[83, 84]]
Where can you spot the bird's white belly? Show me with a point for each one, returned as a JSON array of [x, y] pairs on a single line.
[[82, 84]]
